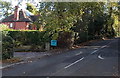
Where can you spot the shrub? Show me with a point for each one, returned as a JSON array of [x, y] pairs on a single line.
[[35, 39], [3, 27], [7, 46], [83, 36], [66, 39]]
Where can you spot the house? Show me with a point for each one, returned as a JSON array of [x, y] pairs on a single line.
[[20, 20]]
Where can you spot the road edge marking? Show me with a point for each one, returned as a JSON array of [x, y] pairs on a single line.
[[94, 51], [2, 67]]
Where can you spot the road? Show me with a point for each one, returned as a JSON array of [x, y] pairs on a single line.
[[95, 59]]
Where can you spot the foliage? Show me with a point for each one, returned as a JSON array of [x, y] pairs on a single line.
[[32, 8], [65, 39], [6, 8], [32, 38], [7, 46], [89, 20], [115, 14], [60, 20], [3, 27]]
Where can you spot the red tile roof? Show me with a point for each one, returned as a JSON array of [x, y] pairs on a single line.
[[22, 18]]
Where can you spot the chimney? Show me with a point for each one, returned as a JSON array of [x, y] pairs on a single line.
[[16, 13]]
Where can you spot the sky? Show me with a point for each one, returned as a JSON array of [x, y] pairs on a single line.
[[23, 2], [22, 6]]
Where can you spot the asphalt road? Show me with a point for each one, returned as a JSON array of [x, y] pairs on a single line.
[[95, 59]]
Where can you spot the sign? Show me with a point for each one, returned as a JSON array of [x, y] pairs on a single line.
[[53, 42]]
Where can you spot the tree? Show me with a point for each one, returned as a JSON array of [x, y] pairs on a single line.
[[56, 17], [115, 14], [3, 27], [87, 20], [90, 20], [6, 8], [32, 8]]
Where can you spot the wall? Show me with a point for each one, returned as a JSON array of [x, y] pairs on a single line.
[[21, 25], [8, 24]]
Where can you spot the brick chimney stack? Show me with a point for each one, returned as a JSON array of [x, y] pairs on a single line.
[[16, 13]]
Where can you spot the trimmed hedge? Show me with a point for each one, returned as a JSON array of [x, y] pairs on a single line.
[[35, 39]]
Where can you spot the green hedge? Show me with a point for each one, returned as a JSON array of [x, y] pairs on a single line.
[[7, 46], [32, 38], [37, 38], [14, 39]]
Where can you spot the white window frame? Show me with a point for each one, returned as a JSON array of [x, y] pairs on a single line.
[[11, 25]]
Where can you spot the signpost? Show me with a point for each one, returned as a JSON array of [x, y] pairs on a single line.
[[53, 43]]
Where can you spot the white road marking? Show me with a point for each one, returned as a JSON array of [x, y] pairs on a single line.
[[101, 48], [100, 57], [73, 63], [104, 46], [79, 53], [11, 65], [94, 51], [66, 66]]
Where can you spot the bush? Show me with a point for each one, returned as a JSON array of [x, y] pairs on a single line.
[[35, 39], [4, 27], [7, 46], [65, 39], [83, 36]]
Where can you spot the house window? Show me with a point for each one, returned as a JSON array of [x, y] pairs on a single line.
[[27, 26], [11, 25]]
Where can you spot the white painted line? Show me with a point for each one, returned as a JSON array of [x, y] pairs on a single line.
[[104, 46], [100, 57], [11, 65], [79, 53], [94, 51], [0, 67], [100, 48], [74, 63]]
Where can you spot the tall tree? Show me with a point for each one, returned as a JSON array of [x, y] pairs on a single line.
[[6, 8], [32, 8], [86, 18]]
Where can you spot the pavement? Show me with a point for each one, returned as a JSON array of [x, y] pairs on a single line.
[[25, 57], [95, 59]]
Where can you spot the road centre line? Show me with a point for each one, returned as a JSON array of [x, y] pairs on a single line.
[[104, 46], [74, 63], [83, 57], [94, 51], [101, 48], [79, 53], [66, 66]]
